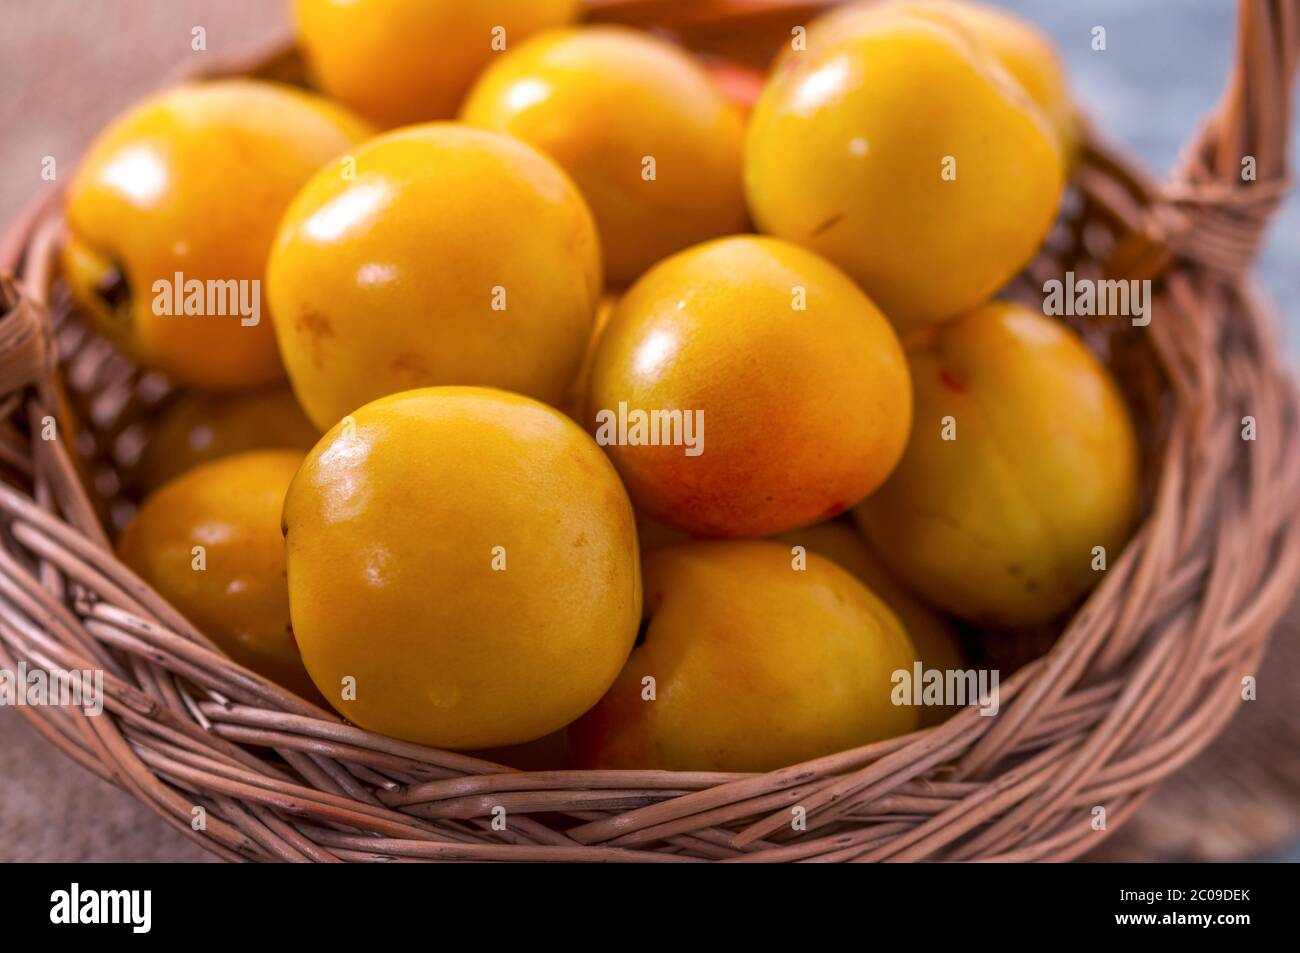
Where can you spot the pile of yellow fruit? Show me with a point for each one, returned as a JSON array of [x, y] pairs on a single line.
[[590, 357]]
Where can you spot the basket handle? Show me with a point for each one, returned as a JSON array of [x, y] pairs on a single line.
[[1232, 175], [26, 351]]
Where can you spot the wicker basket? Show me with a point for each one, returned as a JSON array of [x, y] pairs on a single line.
[[1144, 676]]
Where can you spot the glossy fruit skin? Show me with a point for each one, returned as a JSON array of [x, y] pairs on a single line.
[[998, 525], [937, 645], [391, 527], [756, 666], [230, 507], [195, 181], [599, 100], [454, 256], [1026, 52], [409, 61], [805, 411], [849, 154], [197, 427]]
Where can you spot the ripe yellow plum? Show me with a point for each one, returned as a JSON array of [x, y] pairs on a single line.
[[1022, 461], [198, 427], [209, 542], [753, 665], [652, 140], [407, 61], [463, 568], [1019, 45], [449, 256], [906, 154], [937, 645], [171, 214], [793, 384]]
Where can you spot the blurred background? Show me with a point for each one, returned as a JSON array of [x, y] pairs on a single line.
[[68, 66]]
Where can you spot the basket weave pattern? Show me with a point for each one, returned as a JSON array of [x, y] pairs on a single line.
[[1142, 677]]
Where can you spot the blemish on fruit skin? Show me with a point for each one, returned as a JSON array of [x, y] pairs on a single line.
[[827, 225], [314, 325], [409, 364], [580, 541], [950, 382], [835, 509], [314, 328]]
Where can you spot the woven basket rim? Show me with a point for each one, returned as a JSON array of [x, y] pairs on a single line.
[[1143, 677]]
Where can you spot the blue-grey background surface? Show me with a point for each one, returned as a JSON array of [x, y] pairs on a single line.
[[1164, 68]]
